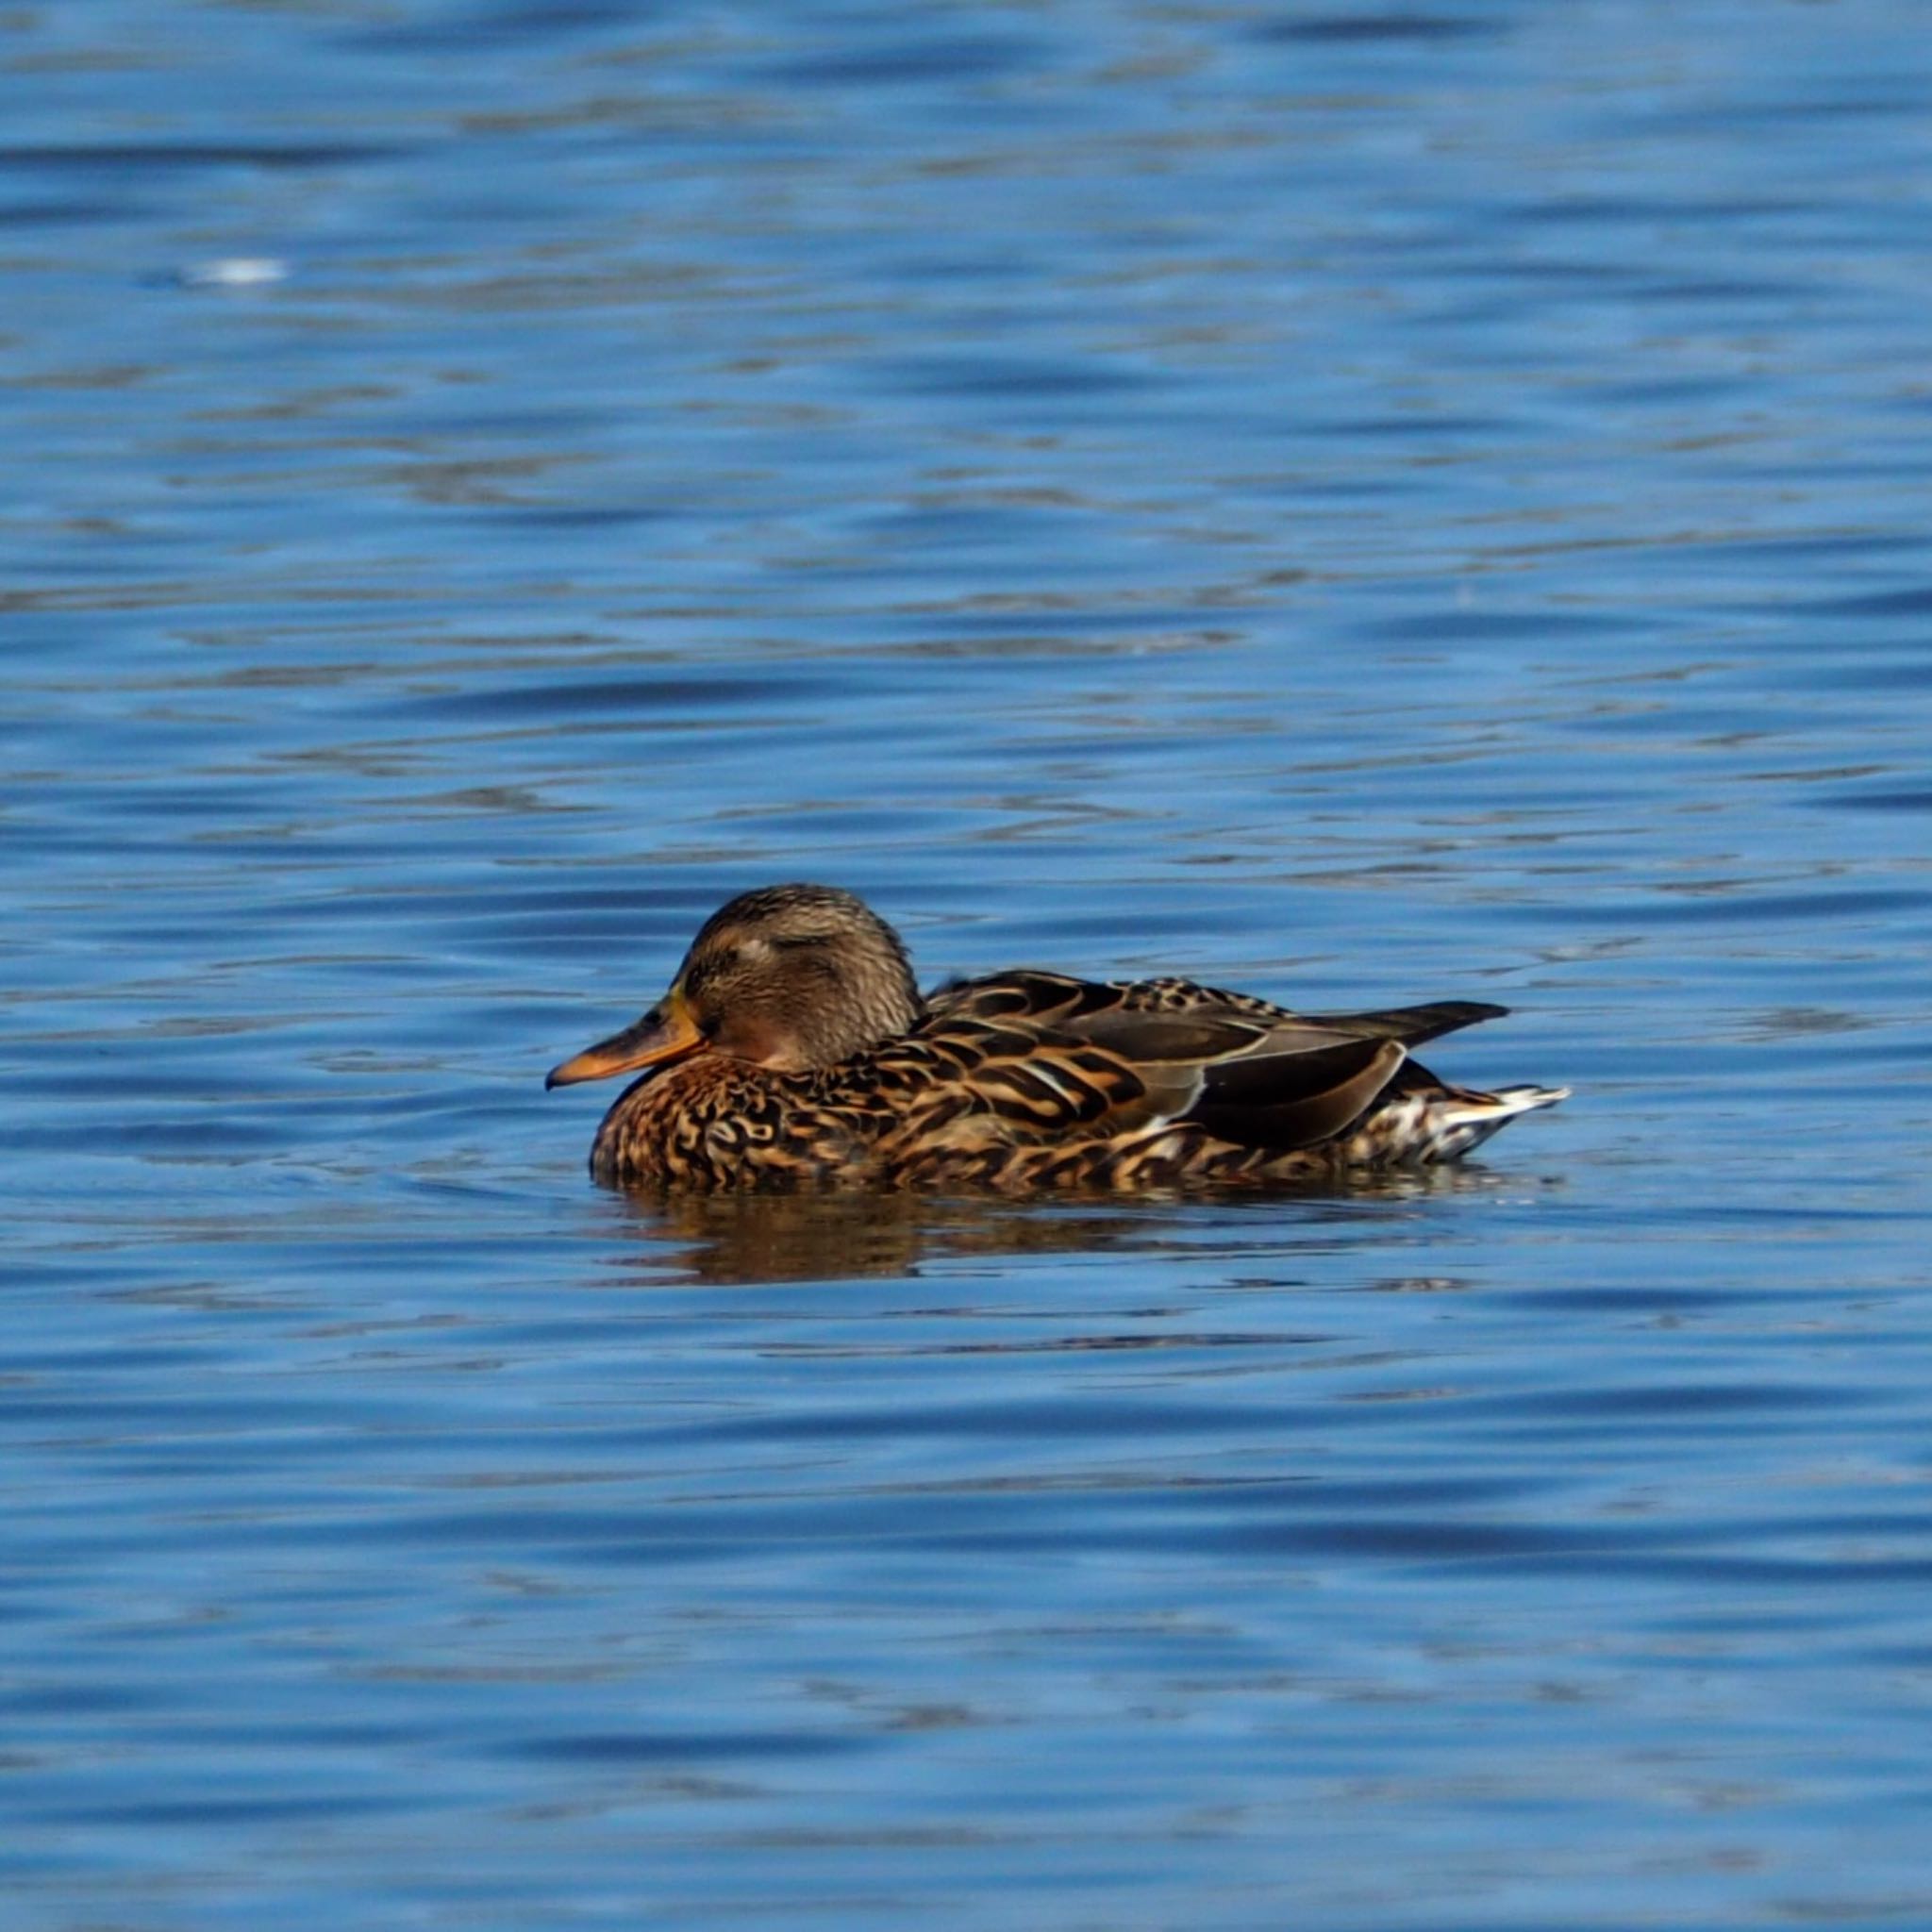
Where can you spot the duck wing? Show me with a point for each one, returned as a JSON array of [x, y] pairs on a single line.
[[1058, 998], [1057, 1057]]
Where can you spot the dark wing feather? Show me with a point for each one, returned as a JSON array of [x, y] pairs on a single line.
[[1114, 1058], [1056, 999], [1410, 1025], [1282, 1101], [1052, 1057], [1278, 1084]]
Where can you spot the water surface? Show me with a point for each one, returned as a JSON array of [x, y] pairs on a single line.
[[1362, 504]]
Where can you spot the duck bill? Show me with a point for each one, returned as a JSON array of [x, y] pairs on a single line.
[[666, 1033]]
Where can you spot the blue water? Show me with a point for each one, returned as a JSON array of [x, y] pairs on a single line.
[[1364, 504]]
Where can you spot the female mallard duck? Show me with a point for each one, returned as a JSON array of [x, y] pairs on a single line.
[[793, 1050]]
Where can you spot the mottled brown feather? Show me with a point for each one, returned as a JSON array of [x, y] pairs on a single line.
[[1021, 1081]]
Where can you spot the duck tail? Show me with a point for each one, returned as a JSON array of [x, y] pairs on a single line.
[[1462, 1119]]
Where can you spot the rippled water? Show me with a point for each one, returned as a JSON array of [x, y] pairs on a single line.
[[1363, 505]]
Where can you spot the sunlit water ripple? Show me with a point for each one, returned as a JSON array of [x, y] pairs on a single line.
[[1366, 506]]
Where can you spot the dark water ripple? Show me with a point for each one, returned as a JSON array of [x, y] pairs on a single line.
[[1366, 504]]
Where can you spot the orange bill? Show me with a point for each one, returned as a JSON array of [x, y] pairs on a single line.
[[666, 1033]]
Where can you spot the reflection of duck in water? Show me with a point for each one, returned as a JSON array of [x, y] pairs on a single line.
[[742, 1237], [793, 1050]]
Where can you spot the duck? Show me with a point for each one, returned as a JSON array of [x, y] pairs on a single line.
[[794, 1051]]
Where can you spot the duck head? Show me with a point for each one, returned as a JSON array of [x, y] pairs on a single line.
[[786, 977]]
